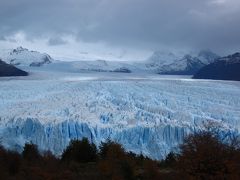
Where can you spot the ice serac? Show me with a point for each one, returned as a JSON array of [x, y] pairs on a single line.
[[155, 142], [24, 57]]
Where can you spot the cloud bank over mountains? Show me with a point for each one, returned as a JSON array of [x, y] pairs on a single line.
[[124, 25]]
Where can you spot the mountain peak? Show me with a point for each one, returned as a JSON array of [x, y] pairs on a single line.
[[18, 50], [225, 68], [23, 57], [207, 56], [161, 58], [187, 56], [235, 55]]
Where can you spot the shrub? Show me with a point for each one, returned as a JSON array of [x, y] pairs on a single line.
[[204, 156], [30, 152], [115, 162], [169, 161], [80, 151]]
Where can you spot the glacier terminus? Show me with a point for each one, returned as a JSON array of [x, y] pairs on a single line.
[[147, 114]]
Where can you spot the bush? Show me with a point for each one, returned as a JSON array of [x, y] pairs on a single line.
[[106, 146], [115, 162], [10, 162], [169, 161], [30, 152], [13, 162], [204, 156], [80, 151]]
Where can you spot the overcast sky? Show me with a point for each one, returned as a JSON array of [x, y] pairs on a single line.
[[120, 28]]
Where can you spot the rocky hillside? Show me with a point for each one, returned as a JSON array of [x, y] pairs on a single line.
[[226, 68], [24, 57], [169, 63], [10, 70]]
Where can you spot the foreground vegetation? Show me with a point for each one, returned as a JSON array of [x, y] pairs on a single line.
[[203, 155]]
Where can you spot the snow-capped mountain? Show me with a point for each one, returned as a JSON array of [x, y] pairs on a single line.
[[160, 62], [161, 58], [225, 68], [234, 58], [188, 65], [10, 70], [168, 63], [24, 57], [207, 57]]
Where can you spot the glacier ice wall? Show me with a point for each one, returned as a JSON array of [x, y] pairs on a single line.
[[153, 142]]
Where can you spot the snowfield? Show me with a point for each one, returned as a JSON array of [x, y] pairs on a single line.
[[147, 114]]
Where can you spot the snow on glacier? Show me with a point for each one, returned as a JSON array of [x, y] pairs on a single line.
[[146, 114]]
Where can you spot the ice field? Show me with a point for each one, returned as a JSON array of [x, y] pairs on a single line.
[[148, 114]]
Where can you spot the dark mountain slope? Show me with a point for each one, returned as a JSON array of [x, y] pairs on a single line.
[[10, 70], [226, 68]]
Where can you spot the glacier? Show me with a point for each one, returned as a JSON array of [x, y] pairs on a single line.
[[148, 114]]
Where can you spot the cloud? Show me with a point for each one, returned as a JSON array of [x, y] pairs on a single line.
[[2, 38], [218, 2], [142, 24], [56, 41], [8, 39]]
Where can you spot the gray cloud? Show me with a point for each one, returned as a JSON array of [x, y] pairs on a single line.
[[151, 24], [56, 41], [2, 38]]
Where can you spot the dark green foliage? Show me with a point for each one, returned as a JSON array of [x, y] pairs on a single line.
[[115, 162], [30, 152], [127, 170], [80, 151], [13, 163], [104, 148], [169, 161], [202, 156], [10, 163]]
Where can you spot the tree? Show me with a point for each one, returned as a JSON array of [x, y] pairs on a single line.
[[13, 162], [115, 162], [104, 148], [170, 160], [80, 151], [30, 152], [204, 156]]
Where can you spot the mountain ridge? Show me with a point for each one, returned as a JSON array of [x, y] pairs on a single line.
[[188, 64], [225, 68], [10, 70], [160, 62], [23, 57]]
